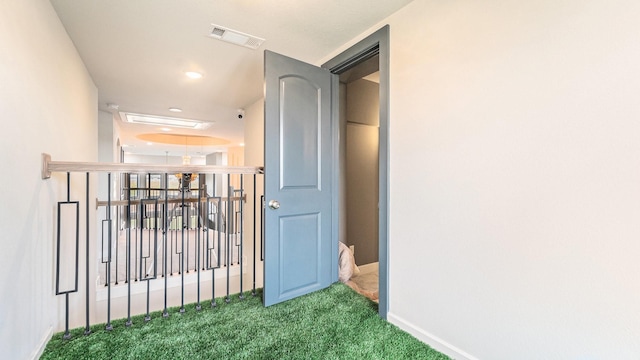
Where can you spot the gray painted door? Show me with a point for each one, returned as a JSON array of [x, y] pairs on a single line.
[[298, 179]]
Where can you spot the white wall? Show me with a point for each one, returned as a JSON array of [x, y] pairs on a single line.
[[162, 159], [515, 172], [48, 103], [107, 142]]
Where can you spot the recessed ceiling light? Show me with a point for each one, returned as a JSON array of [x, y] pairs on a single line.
[[149, 143], [175, 109], [241, 144], [163, 121], [193, 74], [165, 129]]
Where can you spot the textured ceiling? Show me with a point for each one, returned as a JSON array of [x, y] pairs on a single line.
[[138, 50]]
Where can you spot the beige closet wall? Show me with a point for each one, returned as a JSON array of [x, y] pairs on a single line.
[[362, 115]]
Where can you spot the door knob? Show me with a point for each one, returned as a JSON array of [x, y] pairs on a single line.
[[274, 204]]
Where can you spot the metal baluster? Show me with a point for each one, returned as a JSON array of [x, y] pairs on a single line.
[[185, 223], [182, 258], [241, 234], [139, 270], [144, 276], [173, 235], [217, 228], [87, 329], [117, 241], [135, 243], [220, 219], [228, 230], [205, 225], [128, 267], [109, 327], [253, 291], [261, 227], [66, 293], [165, 313], [198, 306], [219, 236], [208, 251]]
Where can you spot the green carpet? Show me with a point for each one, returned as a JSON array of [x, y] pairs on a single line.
[[335, 323]]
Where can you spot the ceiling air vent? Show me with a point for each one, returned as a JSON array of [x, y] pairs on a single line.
[[235, 37]]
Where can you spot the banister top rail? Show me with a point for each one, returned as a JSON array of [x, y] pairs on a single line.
[[170, 201], [49, 166]]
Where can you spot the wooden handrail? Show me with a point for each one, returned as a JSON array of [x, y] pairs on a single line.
[[49, 166], [170, 201]]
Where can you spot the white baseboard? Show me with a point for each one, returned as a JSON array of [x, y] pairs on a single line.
[[37, 352], [435, 342]]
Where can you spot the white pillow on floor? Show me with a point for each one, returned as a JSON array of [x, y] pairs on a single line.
[[347, 267]]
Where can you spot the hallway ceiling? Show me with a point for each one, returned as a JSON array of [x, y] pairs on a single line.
[[138, 51]]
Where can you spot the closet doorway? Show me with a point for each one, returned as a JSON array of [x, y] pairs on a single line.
[[359, 122], [363, 159]]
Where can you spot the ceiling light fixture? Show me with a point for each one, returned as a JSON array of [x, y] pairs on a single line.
[[193, 74], [175, 109], [165, 129], [186, 178], [164, 121]]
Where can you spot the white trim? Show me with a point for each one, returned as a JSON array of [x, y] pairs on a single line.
[[139, 287], [37, 352], [435, 342]]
